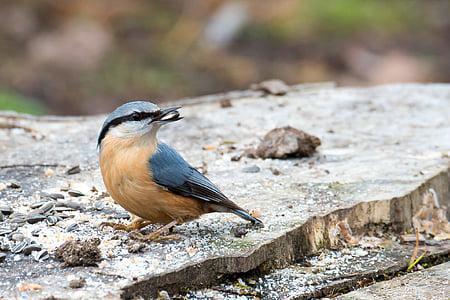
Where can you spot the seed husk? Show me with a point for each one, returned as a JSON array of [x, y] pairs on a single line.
[[40, 255], [5, 231], [6, 210], [72, 227], [52, 220], [75, 193], [18, 247], [74, 170], [30, 248], [35, 218]]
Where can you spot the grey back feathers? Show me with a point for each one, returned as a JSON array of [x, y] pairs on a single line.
[[171, 171], [125, 112]]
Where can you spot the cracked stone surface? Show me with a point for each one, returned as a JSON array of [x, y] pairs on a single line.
[[382, 148], [432, 283]]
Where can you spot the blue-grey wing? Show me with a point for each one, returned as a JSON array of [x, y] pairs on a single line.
[[171, 171]]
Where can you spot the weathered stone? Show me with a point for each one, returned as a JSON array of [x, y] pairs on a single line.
[[432, 283], [382, 148]]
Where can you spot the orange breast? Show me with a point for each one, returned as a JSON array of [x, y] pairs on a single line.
[[128, 179]]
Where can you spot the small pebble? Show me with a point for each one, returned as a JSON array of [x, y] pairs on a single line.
[[17, 257], [251, 169], [18, 237], [163, 295], [136, 247], [360, 252], [77, 283], [239, 231], [35, 232], [49, 172], [62, 208]]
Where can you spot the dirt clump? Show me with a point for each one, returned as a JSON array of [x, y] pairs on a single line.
[[287, 142], [79, 253]]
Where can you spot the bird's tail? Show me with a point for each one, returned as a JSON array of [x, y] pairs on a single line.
[[245, 215]]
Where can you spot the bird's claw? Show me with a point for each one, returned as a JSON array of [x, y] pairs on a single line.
[[154, 237]]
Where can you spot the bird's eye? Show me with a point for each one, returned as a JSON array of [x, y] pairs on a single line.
[[135, 116]]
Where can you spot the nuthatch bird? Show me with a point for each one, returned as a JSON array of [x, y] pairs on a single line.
[[149, 178]]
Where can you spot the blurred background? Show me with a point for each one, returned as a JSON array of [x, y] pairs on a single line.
[[85, 57]]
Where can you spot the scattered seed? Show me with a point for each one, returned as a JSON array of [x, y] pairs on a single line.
[[6, 210], [40, 255], [122, 215], [46, 207], [52, 220], [62, 208], [18, 247], [72, 227], [71, 204], [18, 220], [74, 170], [35, 218], [35, 232], [30, 248], [55, 196], [14, 185], [75, 193], [62, 216], [5, 231], [37, 204]]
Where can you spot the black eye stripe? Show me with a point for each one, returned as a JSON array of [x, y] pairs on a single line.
[[135, 116]]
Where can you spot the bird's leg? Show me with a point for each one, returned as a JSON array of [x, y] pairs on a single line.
[[136, 224], [157, 235]]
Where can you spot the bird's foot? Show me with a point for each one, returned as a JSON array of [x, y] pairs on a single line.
[[161, 234], [133, 226]]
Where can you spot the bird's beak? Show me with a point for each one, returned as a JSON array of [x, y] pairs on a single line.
[[167, 115]]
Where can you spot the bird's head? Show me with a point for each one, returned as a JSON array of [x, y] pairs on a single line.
[[137, 118]]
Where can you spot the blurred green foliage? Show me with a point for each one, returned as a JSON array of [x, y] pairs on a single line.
[[317, 20], [18, 103]]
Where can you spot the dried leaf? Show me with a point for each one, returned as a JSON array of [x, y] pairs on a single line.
[[346, 232]]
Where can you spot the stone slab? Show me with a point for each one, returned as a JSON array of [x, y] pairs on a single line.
[[429, 284], [382, 148]]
